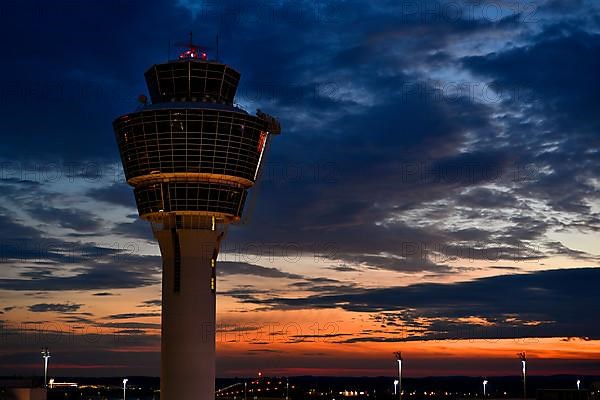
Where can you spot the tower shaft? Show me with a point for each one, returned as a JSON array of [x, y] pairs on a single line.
[[188, 313]]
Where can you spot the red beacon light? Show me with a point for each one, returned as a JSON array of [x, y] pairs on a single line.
[[192, 53]]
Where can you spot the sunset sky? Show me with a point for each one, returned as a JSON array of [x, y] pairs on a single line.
[[435, 189]]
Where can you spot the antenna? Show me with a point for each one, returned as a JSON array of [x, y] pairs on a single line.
[[217, 46], [191, 50]]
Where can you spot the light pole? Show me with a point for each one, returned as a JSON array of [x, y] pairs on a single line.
[[287, 388], [399, 359], [124, 387], [45, 356], [523, 358], [395, 386], [485, 382], [245, 389], [578, 383]]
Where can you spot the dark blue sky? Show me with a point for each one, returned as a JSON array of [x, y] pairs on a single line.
[[439, 166]]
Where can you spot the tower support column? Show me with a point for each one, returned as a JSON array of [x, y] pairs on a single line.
[[187, 365]]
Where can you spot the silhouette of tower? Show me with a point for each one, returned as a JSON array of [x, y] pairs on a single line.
[[191, 156]]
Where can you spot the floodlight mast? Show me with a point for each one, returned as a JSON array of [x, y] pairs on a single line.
[[125, 387], [523, 358], [191, 156], [45, 356], [398, 355]]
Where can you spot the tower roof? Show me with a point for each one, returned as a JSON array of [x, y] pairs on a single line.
[[192, 79]]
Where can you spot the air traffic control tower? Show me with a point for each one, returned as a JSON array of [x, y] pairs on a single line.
[[191, 156]]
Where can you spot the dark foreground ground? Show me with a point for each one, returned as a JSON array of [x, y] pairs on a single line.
[[312, 387]]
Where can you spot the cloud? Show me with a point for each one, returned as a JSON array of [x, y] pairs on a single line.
[[555, 71], [78, 220], [379, 166], [138, 229], [54, 307], [227, 268], [539, 304], [118, 193], [151, 303], [132, 315]]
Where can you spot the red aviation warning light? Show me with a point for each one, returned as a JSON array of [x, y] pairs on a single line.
[[191, 51], [194, 52]]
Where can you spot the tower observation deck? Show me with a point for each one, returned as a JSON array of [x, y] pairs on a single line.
[[191, 156]]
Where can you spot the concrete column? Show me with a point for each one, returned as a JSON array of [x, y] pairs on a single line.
[[187, 369]]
